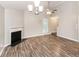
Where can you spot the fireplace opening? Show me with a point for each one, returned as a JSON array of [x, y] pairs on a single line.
[[15, 38]]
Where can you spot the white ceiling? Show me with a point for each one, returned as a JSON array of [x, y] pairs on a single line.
[[22, 5], [53, 4]]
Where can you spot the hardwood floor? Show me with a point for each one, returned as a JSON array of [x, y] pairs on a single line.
[[43, 46]]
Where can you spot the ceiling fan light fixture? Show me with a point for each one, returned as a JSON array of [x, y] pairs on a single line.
[[41, 8], [48, 12], [36, 7]]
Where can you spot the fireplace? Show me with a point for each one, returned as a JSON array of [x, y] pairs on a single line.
[[15, 38]]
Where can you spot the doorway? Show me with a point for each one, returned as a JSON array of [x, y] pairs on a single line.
[[53, 24]]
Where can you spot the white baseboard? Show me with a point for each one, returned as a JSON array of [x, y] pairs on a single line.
[[37, 35], [2, 50], [68, 38], [6, 45]]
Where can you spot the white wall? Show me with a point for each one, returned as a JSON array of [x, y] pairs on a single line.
[[13, 21], [1, 26], [67, 20], [33, 24], [78, 21], [53, 24]]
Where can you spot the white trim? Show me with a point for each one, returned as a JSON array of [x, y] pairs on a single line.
[[68, 38], [6, 45], [37, 35], [2, 50]]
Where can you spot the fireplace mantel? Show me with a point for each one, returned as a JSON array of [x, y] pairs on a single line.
[[16, 29]]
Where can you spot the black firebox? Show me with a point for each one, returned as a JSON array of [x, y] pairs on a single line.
[[15, 38]]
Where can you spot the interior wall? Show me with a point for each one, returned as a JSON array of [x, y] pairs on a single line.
[[33, 24], [1, 26], [67, 20], [78, 20], [53, 23], [14, 20]]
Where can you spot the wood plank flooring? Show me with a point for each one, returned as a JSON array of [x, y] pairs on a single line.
[[43, 46]]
